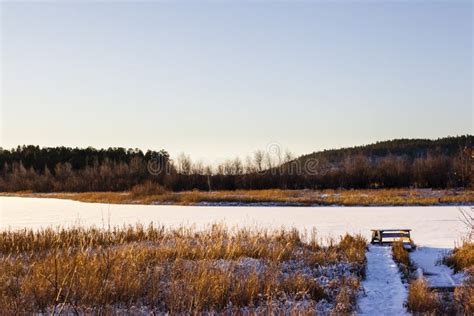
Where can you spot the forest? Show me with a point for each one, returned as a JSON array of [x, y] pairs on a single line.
[[401, 163]]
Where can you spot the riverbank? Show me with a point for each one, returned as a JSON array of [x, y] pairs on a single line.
[[380, 197], [155, 269]]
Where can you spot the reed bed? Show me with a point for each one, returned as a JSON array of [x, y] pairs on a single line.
[[462, 257], [144, 194], [421, 300], [153, 269]]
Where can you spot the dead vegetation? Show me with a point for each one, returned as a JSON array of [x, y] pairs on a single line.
[[464, 295], [421, 300], [183, 270], [401, 257], [462, 259], [150, 193], [426, 301]]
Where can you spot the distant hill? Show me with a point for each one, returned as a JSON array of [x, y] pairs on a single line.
[[407, 148], [440, 163]]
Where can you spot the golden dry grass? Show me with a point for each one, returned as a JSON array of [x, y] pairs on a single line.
[[147, 194], [425, 301], [400, 254], [462, 258], [180, 270], [421, 300], [401, 257], [464, 295]]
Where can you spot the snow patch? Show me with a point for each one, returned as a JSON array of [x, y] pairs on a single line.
[[428, 259]]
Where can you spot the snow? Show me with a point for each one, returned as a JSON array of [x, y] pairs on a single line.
[[437, 274], [434, 226], [435, 229], [384, 292]]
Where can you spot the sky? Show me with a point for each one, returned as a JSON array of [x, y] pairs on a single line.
[[220, 79]]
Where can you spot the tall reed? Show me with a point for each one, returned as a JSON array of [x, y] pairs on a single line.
[[179, 270]]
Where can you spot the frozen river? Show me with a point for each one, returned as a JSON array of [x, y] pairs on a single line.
[[435, 226]]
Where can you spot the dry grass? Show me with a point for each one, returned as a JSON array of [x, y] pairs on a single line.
[[462, 258], [146, 189], [464, 295], [401, 257], [182, 270], [153, 194], [421, 299]]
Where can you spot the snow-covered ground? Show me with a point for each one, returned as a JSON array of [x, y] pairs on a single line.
[[384, 292], [434, 226], [435, 229], [437, 274]]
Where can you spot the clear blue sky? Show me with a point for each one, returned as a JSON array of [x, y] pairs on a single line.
[[222, 79]]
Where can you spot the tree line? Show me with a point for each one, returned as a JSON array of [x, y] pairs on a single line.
[[441, 163]]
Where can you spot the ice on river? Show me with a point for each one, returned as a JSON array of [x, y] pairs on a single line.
[[435, 226]]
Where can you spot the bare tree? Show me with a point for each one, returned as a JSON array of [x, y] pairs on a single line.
[[184, 164], [467, 217], [249, 166], [198, 168], [237, 166], [208, 173], [288, 156], [258, 158]]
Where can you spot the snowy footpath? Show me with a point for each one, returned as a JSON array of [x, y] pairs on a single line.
[[384, 292]]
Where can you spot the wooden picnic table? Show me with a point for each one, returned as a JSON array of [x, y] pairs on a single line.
[[388, 236]]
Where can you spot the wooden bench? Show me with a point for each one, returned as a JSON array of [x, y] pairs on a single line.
[[388, 236]]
